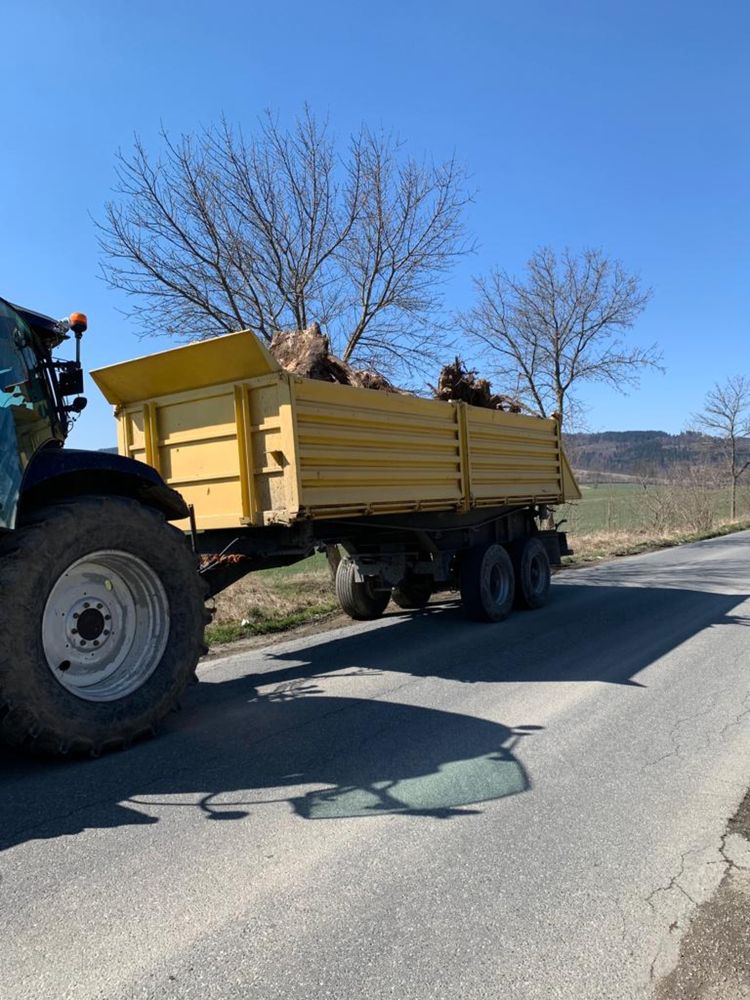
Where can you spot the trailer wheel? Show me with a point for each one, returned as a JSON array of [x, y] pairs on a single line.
[[487, 583], [101, 628], [359, 599], [533, 575], [413, 593]]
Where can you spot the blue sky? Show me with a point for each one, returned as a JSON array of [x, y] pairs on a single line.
[[617, 125]]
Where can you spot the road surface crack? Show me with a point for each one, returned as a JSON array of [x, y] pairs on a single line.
[[740, 716], [673, 883], [676, 750]]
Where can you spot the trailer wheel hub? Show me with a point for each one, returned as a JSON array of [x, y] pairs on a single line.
[[105, 625]]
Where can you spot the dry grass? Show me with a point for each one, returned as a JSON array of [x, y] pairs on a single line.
[[272, 601], [261, 595], [597, 545]]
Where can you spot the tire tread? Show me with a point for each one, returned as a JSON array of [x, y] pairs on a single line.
[[43, 534]]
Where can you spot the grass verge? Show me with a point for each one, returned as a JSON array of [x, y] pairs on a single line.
[[222, 632], [273, 600], [596, 546]]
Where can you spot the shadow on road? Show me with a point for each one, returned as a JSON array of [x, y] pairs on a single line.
[[278, 736], [587, 633], [373, 757]]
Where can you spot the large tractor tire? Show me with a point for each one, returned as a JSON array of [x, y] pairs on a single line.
[[487, 583], [101, 625], [359, 598]]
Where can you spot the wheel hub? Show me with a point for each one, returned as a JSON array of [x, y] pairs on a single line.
[[88, 622], [105, 625]]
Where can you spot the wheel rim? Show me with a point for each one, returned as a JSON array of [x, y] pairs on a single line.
[[499, 585], [536, 575], [105, 625]]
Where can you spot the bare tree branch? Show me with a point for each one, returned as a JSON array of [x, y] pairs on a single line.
[[278, 230], [560, 325], [726, 418]]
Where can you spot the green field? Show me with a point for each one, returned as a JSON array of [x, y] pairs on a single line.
[[618, 507], [312, 564]]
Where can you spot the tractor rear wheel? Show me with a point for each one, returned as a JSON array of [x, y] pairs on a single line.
[[101, 627]]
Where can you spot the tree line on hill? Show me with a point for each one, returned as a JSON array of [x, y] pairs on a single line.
[[644, 454], [715, 453]]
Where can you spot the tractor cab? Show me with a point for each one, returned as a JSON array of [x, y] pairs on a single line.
[[101, 603], [34, 393]]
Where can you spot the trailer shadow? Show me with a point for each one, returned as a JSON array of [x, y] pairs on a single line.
[[283, 734], [587, 633]]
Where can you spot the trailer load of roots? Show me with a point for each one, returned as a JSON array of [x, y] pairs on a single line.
[[308, 353]]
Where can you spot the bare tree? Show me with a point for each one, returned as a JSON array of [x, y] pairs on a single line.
[[408, 233], [281, 229], [726, 417], [560, 325]]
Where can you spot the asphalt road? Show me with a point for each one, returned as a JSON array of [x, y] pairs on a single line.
[[419, 807]]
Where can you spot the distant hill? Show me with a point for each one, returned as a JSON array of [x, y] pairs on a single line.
[[622, 454]]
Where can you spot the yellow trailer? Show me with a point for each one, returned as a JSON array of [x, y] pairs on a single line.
[[273, 465], [246, 443]]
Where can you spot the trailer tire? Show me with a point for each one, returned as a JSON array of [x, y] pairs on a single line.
[[359, 599], [63, 564], [487, 583], [413, 593], [533, 574]]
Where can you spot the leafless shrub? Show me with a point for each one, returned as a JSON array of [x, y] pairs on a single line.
[[657, 506], [685, 498], [726, 420], [699, 491]]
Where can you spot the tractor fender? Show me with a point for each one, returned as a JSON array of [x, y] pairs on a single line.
[[57, 473]]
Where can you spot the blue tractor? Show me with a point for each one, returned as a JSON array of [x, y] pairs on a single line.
[[102, 609]]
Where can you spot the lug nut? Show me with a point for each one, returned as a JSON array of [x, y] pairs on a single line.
[[74, 631]]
